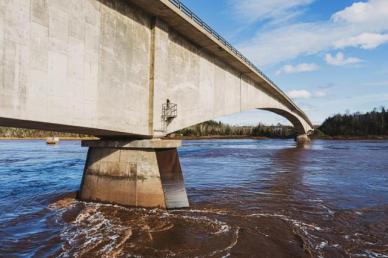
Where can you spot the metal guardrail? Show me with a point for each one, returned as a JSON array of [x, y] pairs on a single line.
[[203, 24]]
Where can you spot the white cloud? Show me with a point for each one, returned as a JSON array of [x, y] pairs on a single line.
[[274, 10], [287, 42], [305, 94], [281, 43], [365, 14], [299, 94], [340, 59], [299, 68], [364, 40]]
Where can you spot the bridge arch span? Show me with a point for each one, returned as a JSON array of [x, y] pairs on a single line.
[[301, 127]]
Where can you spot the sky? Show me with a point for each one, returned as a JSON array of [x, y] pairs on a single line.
[[329, 56]]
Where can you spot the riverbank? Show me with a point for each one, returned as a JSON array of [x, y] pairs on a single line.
[[218, 137], [231, 137], [352, 138], [44, 138]]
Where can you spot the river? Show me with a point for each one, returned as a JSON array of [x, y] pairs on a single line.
[[249, 198]]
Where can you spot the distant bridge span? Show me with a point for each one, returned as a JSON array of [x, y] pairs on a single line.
[[126, 69]]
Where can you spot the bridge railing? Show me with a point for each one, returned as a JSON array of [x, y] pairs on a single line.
[[203, 24]]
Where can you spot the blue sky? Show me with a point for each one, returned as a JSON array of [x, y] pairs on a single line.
[[330, 56]]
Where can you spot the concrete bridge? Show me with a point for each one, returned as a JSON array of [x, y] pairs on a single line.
[[130, 72]]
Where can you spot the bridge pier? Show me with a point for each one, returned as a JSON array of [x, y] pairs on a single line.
[[138, 173], [302, 139]]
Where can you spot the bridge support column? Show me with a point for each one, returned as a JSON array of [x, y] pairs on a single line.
[[139, 173], [302, 139]]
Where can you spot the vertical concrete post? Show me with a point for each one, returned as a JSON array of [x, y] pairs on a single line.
[[151, 93], [140, 173]]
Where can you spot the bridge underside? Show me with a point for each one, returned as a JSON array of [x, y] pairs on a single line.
[[101, 133]]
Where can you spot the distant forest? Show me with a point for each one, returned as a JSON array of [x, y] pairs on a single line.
[[210, 128], [9, 132], [213, 128], [374, 123]]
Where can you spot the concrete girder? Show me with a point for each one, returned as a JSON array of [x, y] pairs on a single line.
[[106, 67]]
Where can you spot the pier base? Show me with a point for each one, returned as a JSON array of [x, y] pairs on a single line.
[[139, 173], [302, 139]]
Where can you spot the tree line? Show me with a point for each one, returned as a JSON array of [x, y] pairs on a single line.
[[209, 128], [9, 132], [214, 128], [374, 123]]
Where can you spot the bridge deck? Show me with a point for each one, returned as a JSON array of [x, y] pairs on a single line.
[[185, 22], [108, 67]]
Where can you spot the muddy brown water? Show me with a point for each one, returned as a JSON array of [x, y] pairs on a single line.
[[249, 198]]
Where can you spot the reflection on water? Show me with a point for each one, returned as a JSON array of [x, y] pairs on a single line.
[[249, 198]]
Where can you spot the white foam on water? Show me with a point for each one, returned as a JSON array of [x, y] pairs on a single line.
[[295, 222], [222, 226], [206, 211], [229, 247], [328, 210], [313, 242], [91, 230], [370, 254], [223, 229]]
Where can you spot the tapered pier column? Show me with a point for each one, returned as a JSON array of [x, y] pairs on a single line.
[[139, 173]]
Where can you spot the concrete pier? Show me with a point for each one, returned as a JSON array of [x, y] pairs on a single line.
[[138, 173], [302, 139]]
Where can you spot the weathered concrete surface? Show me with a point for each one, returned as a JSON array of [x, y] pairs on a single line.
[[134, 176], [74, 64], [106, 67]]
